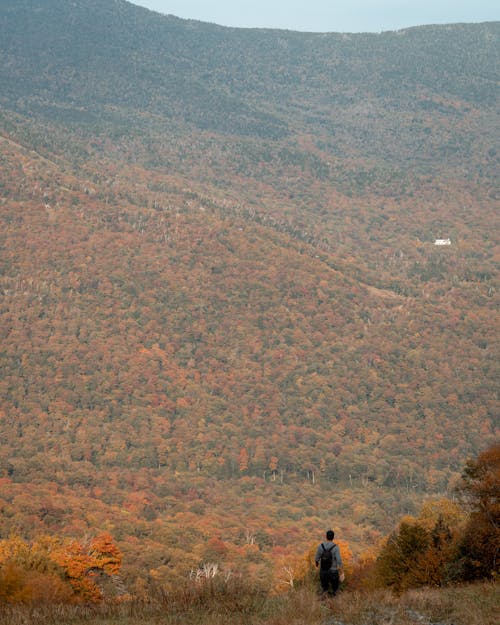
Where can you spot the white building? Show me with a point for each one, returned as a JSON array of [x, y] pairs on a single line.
[[442, 242]]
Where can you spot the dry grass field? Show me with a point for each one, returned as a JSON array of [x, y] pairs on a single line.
[[476, 604]]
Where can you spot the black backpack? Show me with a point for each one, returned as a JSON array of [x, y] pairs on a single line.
[[326, 559]]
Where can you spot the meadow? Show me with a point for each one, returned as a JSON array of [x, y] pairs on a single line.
[[473, 604]]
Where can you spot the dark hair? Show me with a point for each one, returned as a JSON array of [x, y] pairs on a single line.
[[330, 534]]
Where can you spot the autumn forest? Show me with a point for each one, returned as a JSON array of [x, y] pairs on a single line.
[[225, 322]]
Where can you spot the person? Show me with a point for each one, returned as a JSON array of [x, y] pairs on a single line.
[[329, 560]]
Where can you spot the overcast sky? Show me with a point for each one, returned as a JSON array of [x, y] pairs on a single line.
[[329, 15]]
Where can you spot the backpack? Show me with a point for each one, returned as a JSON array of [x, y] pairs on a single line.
[[326, 559]]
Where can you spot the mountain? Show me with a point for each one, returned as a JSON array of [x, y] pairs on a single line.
[[220, 292], [357, 95]]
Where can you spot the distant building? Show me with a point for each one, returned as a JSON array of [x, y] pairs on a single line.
[[442, 242]]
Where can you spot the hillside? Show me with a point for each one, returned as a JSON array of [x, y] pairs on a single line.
[[352, 142], [220, 293], [400, 103]]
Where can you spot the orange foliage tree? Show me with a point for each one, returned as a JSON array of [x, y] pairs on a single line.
[[479, 548], [50, 569], [443, 546]]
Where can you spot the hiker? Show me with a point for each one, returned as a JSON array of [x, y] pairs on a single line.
[[330, 565]]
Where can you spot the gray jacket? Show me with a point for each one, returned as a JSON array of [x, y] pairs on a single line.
[[336, 558]]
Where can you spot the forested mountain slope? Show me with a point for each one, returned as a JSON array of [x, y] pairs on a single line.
[[220, 292], [370, 96]]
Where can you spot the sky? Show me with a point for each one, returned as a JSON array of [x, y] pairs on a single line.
[[329, 15]]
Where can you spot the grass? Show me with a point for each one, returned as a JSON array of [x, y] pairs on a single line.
[[476, 604]]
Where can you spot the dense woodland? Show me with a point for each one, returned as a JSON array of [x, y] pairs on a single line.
[[448, 543], [220, 296]]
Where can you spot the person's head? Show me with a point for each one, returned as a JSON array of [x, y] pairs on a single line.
[[330, 535]]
